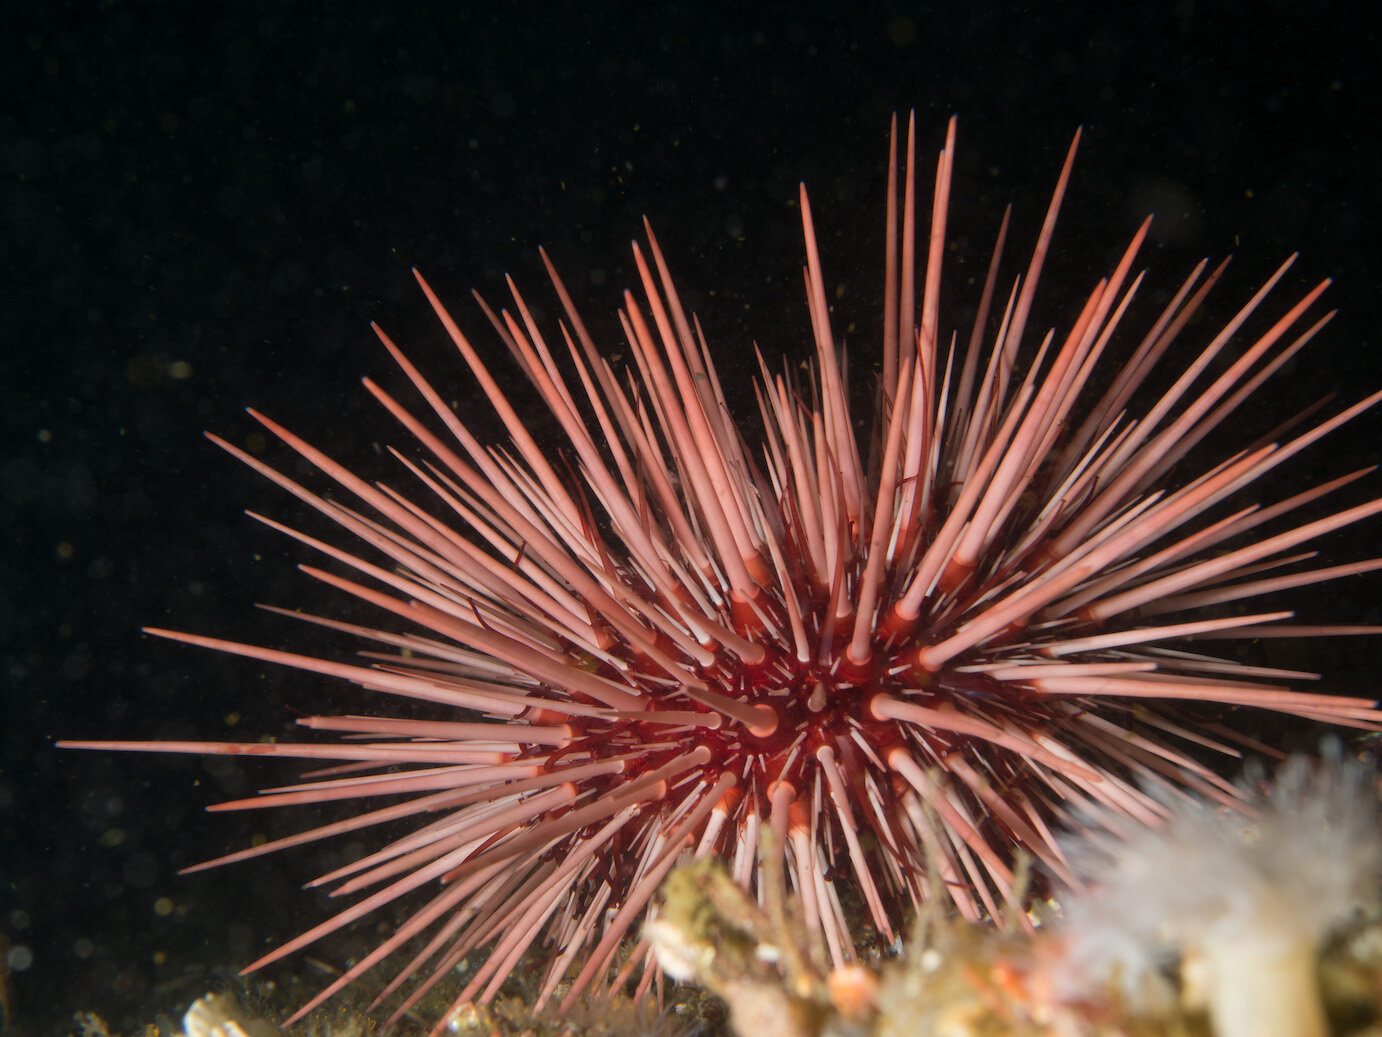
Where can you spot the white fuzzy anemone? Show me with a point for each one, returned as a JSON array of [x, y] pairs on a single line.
[[1241, 900]]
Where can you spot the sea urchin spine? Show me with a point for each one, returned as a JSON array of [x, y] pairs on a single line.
[[907, 661]]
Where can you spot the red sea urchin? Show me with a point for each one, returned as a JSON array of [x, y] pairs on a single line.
[[916, 656]]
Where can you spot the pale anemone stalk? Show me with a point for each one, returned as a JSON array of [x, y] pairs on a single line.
[[1240, 900]]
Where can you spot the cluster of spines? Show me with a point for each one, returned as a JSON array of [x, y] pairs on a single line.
[[914, 673]]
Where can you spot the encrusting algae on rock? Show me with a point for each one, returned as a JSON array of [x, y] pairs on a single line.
[[1262, 922]]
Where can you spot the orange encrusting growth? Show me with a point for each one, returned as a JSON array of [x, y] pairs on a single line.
[[919, 652]]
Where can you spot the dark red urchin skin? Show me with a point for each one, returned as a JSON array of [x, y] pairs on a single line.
[[691, 644]]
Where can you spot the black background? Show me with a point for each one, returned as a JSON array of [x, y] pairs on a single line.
[[204, 208]]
